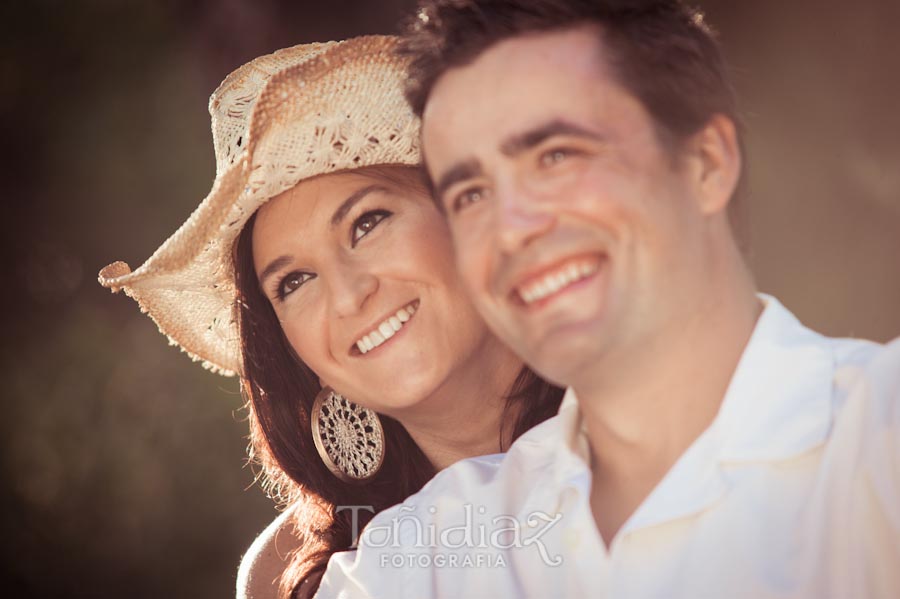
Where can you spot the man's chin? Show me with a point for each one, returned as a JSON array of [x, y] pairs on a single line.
[[559, 362]]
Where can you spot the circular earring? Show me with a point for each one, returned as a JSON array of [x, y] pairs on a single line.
[[349, 437]]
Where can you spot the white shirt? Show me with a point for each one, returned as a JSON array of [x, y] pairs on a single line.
[[792, 491]]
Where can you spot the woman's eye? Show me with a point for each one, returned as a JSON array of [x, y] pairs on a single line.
[[363, 225], [467, 198], [292, 282]]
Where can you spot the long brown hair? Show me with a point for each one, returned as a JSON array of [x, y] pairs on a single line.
[[280, 389]]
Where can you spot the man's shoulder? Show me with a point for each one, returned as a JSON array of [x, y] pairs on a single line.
[[495, 478], [396, 532], [849, 351], [887, 355], [867, 363], [468, 489], [867, 382]]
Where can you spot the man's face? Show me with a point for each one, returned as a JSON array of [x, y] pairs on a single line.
[[575, 230]]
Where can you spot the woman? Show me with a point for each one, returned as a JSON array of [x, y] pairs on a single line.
[[319, 269]]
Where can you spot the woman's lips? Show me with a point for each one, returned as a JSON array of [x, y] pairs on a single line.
[[385, 330]]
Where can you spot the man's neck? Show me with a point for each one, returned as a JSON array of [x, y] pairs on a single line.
[[643, 410]]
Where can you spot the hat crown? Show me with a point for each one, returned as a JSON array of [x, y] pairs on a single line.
[[232, 103]]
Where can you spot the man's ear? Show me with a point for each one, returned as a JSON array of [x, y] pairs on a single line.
[[717, 154]]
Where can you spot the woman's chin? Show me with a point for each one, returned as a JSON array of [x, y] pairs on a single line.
[[394, 400]]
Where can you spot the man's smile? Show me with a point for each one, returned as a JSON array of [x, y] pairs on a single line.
[[549, 281]]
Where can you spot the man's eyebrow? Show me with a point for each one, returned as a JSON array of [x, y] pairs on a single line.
[[351, 201], [456, 173], [518, 143], [512, 146], [274, 266]]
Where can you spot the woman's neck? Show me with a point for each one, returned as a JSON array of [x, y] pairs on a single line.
[[467, 416]]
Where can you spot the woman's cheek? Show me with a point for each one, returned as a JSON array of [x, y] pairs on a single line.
[[303, 331], [434, 242]]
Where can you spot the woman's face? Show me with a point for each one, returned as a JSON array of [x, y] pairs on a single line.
[[360, 273]]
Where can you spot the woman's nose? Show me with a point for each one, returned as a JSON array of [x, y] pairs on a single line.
[[350, 288]]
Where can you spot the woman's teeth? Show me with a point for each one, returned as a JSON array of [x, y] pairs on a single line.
[[386, 329], [556, 280]]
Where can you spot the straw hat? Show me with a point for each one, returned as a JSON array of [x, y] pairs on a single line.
[[300, 112]]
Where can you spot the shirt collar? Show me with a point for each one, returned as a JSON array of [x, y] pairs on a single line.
[[576, 456], [778, 405], [558, 445], [779, 402]]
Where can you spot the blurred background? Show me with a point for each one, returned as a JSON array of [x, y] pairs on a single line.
[[123, 462]]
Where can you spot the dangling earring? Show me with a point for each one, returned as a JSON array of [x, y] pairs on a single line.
[[349, 437]]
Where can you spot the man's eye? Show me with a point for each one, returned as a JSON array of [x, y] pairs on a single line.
[[363, 225], [467, 198], [291, 282], [554, 156]]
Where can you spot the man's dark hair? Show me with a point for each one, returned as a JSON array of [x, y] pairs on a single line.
[[660, 50]]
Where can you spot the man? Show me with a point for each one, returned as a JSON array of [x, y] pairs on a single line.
[[585, 154]]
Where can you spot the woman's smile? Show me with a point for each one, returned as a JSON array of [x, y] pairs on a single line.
[[391, 326], [348, 262]]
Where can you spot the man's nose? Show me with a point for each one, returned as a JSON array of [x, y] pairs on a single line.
[[524, 215]]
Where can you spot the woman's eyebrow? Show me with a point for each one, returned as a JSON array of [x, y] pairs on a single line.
[[339, 214], [273, 267], [351, 201]]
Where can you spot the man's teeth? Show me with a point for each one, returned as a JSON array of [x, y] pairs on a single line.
[[386, 329], [556, 280]]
